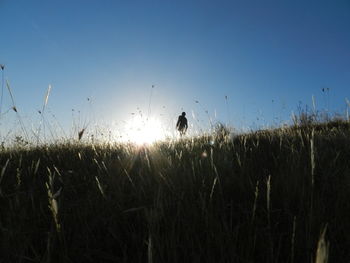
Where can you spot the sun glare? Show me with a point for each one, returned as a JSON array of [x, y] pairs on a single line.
[[140, 130]]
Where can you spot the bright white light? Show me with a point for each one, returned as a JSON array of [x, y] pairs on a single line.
[[143, 131]]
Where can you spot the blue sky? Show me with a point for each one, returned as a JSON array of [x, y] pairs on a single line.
[[265, 56]]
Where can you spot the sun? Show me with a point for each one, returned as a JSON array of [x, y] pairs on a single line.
[[141, 131]]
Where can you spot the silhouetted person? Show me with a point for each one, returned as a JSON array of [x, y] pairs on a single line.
[[181, 124]]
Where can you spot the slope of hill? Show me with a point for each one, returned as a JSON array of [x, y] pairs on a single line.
[[266, 196]]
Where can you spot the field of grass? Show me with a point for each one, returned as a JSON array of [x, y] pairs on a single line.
[[279, 195]]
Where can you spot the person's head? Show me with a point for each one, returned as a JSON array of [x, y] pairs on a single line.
[[183, 114]]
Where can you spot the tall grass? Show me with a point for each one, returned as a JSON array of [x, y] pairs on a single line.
[[260, 197]]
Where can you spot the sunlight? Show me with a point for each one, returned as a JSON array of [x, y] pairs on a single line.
[[143, 131]]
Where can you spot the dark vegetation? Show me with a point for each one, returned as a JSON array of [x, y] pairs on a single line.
[[265, 196]]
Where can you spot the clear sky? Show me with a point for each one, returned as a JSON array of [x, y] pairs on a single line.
[[265, 56]]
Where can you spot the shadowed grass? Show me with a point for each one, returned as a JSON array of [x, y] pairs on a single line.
[[259, 197]]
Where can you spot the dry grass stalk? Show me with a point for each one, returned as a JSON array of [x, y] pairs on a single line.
[[322, 252]]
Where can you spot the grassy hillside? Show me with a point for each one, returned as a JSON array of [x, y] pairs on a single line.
[[260, 197]]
